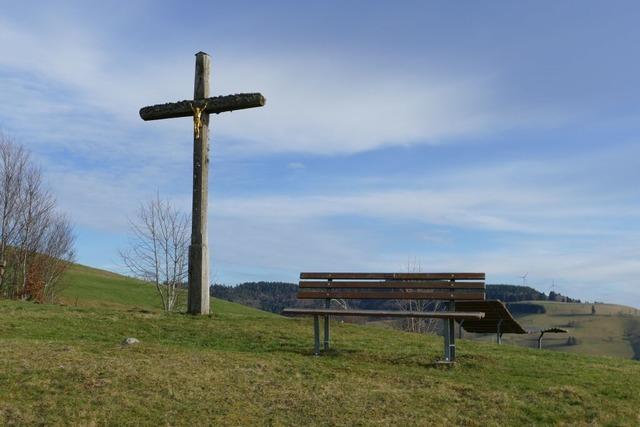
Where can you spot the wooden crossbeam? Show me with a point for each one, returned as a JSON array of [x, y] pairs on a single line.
[[214, 105]]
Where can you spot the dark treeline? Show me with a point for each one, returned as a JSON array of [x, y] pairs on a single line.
[[513, 293], [267, 296], [274, 296], [523, 308]]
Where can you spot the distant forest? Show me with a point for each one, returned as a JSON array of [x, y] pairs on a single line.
[[275, 296], [514, 293]]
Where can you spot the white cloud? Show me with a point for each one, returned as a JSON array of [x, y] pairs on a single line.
[[340, 106], [323, 106], [296, 165], [473, 204]]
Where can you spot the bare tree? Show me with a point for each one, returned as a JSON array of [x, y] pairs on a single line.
[[158, 249], [413, 324], [52, 257], [36, 215], [36, 242], [13, 163]]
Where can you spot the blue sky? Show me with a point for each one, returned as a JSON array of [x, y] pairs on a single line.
[[474, 136]]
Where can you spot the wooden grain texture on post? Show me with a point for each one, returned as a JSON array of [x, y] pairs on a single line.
[[198, 300]]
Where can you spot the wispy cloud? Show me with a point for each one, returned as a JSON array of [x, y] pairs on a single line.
[[491, 197], [295, 165], [322, 106]]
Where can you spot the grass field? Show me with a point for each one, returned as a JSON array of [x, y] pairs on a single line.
[[612, 331], [239, 366], [89, 287]]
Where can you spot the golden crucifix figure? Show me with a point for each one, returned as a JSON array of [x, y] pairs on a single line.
[[197, 118]]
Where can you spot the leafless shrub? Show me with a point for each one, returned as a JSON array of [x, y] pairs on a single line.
[[36, 242], [158, 249], [414, 324]]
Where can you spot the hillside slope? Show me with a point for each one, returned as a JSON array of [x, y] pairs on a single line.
[[84, 286], [613, 331], [240, 366]]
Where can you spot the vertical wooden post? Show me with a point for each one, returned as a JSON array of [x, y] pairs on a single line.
[[198, 253]]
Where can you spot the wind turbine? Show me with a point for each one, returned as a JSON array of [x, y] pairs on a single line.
[[524, 278]]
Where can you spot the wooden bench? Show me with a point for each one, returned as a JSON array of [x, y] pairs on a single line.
[[450, 287]]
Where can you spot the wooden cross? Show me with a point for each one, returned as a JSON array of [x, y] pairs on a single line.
[[200, 108]]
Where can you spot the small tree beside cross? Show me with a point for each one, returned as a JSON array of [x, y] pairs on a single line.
[[158, 250]]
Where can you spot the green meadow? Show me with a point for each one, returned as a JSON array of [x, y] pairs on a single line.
[[65, 365], [614, 330]]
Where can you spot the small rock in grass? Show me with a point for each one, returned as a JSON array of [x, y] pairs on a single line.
[[130, 341]]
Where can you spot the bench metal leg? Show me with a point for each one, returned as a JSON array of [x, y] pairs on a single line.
[[449, 340], [540, 340], [447, 336], [452, 340], [450, 336], [326, 333], [316, 335], [327, 304]]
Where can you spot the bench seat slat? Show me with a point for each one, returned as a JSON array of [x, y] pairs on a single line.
[[392, 284], [468, 296], [382, 313], [409, 276]]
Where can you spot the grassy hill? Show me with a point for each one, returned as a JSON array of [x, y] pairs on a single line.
[[84, 286], [613, 331], [65, 365]]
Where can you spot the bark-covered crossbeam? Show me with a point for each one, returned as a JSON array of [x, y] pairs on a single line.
[[215, 105]]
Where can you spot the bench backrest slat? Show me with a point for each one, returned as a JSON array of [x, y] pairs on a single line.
[[393, 284], [401, 286], [406, 276], [466, 296]]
